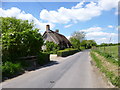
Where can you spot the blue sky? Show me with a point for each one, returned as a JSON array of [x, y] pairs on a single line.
[[97, 19]]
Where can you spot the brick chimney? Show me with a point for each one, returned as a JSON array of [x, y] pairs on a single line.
[[57, 30], [47, 27]]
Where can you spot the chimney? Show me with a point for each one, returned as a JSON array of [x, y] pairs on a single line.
[[47, 27], [57, 31]]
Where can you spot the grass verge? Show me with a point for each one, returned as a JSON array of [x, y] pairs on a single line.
[[111, 76]]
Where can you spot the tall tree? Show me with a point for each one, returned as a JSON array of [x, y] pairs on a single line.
[[76, 39], [75, 42], [79, 35], [19, 38], [88, 43]]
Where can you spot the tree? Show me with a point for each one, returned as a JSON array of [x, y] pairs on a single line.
[[84, 43], [103, 44], [75, 42], [51, 47], [79, 35], [19, 38], [76, 39], [88, 43], [91, 43]]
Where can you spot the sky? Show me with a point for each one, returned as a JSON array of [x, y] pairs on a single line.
[[99, 20]]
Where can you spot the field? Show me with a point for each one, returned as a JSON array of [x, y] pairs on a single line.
[[106, 59], [112, 50]]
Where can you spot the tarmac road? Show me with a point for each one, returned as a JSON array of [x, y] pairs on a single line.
[[74, 71]]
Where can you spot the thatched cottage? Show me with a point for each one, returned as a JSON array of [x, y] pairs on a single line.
[[56, 37]]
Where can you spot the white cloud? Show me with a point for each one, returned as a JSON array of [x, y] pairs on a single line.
[[116, 13], [78, 12], [102, 40], [98, 34], [110, 26], [68, 37], [92, 29], [67, 26], [108, 4], [110, 39], [79, 5], [64, 15], [117, 28], [16, 12]]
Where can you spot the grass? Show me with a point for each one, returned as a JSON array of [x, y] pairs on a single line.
[[112, 50], [10, 69], [106, 59], [109, 52], [112, 77]]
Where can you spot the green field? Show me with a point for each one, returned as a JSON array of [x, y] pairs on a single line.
[[106, 59], [112, 50]]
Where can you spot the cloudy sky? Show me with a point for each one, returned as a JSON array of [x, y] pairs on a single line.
[[99, 20]]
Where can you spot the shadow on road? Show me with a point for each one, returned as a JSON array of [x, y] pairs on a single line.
[[51, 63]]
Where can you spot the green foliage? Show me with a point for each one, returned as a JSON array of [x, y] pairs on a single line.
[[108, 44], [98, 62], [19, 38], [109, 56], [82, 48], [75, 42], [11, 69], [109, 74], [88, 43], [51, 47], [78, 41], [43, 58], [103, 44], [67, 52], [111, 50]]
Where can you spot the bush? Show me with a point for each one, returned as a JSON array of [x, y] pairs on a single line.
[[51, 47], [10, 69], [19, 38], [67, 52], [43, 58], [82, 48]]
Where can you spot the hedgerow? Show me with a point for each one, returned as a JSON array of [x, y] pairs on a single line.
[[67, 52]]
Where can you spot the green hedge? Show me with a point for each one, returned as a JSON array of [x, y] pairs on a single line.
[[43, 58], [67, 52], [10, 69]]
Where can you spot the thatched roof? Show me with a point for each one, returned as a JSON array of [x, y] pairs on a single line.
[[57, 38]]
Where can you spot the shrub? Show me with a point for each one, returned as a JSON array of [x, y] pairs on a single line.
[[10, 69], [66, 52], [19, 38], [51, 47], [82, 48], [43, 58]]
